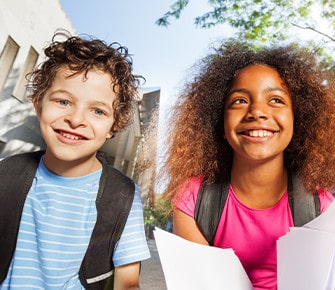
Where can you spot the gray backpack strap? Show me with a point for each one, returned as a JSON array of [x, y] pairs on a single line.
[[305, 206], [211, 199], [209, 206]]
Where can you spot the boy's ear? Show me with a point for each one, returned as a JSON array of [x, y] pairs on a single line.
[[110, 134], [37, 109], [112, 131]]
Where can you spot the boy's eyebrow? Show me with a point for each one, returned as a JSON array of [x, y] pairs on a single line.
[[52, 92], [107, 105]]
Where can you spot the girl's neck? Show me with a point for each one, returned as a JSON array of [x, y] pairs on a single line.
[[259, 186]]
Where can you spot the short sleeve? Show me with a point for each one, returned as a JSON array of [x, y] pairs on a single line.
[[186, 199], [132, 246], [326, 198]]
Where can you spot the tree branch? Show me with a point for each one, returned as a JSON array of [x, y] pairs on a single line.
[[315, 30]]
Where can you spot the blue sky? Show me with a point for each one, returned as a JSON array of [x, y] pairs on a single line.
[[162, 55]]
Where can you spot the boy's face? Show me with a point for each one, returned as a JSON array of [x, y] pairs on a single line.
[[76, 116]]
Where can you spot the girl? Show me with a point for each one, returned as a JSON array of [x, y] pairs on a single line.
[[253, 115]]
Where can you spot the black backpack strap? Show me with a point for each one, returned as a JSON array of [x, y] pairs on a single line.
[[209, 206], [17, 173], [305, 206], [114, 200]]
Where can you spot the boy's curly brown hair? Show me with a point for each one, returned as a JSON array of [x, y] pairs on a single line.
[[81, 55], [195, 138]]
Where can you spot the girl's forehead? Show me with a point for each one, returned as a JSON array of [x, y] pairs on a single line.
[[258, 72]]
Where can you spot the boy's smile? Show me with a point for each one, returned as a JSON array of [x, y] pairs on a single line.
[[76, 116], [258, 118]]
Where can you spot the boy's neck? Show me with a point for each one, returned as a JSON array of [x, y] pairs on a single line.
[[73, 168]]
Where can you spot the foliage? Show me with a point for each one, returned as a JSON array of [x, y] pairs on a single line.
[[159, 215], [260, 20]]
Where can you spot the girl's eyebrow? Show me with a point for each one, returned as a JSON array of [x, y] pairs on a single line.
[[237, 91], [276, 89], [269, 89]]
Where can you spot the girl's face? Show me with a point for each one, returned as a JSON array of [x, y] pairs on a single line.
[[258, 114]]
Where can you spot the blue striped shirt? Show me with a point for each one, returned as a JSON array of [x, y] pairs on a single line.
[[56, 225]]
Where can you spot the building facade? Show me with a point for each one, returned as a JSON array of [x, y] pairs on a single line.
[[26, 27]]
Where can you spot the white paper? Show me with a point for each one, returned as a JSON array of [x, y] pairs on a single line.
[[306, 255], [325, 221], [191, 266]]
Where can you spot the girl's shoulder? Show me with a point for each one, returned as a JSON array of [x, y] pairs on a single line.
[[186, 198], [326, 198]]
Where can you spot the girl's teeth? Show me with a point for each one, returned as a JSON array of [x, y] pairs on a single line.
[[259, 133]]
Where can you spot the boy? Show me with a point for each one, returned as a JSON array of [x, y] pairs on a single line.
[[63, 230]]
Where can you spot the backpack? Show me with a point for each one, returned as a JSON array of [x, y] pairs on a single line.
[[113, 202], [211, 199]]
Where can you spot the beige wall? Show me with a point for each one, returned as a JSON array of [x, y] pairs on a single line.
[[26, 27]]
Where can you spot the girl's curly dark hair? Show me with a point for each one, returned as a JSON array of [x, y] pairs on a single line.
[[195, 139], [81, 55]]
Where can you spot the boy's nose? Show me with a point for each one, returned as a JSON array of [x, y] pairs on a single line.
[[75, 118]]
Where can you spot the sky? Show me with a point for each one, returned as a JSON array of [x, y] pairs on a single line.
[[162, 55]]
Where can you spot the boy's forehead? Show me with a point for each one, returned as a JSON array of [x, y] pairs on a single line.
[[67, 71], [74, 82]]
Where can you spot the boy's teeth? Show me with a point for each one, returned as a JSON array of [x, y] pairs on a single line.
[[70, 136], [259, 133]]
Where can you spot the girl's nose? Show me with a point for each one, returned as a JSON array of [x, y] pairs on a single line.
[[257, 110]]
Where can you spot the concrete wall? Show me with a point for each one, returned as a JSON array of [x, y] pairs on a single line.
[[26, 27]]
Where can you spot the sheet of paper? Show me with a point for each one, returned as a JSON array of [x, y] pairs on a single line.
[[190, 266], [325, 221], [306, 255]]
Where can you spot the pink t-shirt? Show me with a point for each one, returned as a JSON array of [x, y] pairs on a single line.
[[251, 233]]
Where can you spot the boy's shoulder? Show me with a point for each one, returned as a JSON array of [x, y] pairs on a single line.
[[24, 165], [112, 175], [25, 156], [21, 162]]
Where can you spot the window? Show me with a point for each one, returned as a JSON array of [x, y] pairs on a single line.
[[19, 91], [7, 58]]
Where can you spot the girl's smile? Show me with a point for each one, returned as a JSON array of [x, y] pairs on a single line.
[[258, 117]]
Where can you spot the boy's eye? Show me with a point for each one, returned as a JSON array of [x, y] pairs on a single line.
[[63, 102], [99, 112]]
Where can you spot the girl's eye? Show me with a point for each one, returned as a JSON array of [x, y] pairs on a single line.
[[235, 102], [239, 101], [277, 100]]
